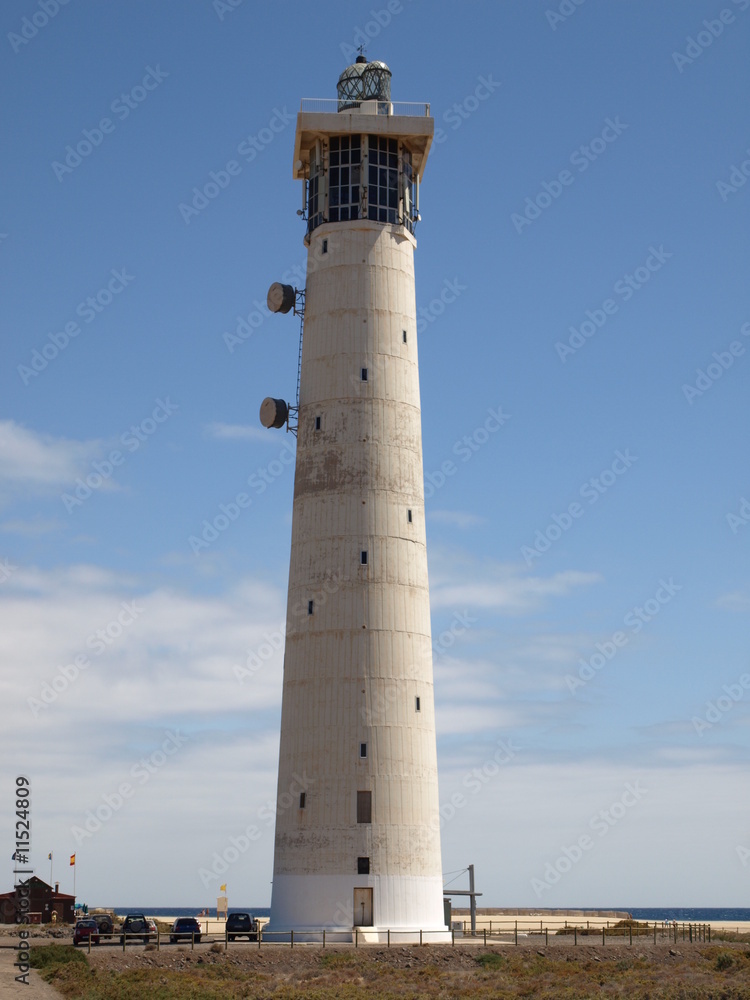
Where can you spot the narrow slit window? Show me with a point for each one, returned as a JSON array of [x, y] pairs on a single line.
[[302, 799], [417, 704], [363, 375], [363, 866], [363, 557], [325, 247], [403, 334], [317, 423], [408, 516], [364, 807], [362, 750], [310, 607]]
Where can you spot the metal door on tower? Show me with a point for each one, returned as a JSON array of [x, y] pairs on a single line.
[[363, 907]]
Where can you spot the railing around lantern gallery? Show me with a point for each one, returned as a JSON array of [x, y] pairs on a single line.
[[327, 106]]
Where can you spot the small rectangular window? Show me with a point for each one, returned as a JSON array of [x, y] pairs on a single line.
[[362, 749], [317, 423], [363, 558], [403, 334], [310, 606], [325, 247], [363, 866], [363, 375], [417, 704], [408, 516], [302, 799], [364, 807]]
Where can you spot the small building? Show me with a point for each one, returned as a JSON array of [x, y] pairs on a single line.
[[39, 901]]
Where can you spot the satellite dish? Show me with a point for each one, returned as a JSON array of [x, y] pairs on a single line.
[[273, 412], [280, 298]]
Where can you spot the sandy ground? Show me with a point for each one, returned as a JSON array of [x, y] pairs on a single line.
[[11, 990]]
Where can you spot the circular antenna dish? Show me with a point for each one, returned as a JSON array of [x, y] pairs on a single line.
[[280, 298], [273, 412]]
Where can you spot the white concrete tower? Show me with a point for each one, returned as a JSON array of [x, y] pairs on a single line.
[[357, 828]]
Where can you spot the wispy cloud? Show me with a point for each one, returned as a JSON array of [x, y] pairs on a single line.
[[457, 518], [735, 601], [237, 432], [40, 461]]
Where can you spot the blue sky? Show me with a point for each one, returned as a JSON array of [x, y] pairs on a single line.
[[582, 260]]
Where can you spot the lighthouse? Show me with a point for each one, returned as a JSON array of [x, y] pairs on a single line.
[[357, 841]]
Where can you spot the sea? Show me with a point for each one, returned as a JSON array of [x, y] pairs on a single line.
[[681, 914]]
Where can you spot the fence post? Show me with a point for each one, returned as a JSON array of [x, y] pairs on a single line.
[[453, 937], [654, 932], [603, 937], [192, 941], [490, 928], [123, 943], [575, 935], [690, 933], [546, 933], [89, 942], [485, 937], [292, 937], [324, 937], [158, 939], [515, 932], [709, 933], [630, 928], [420, 937], [260, 933], [356, 937]]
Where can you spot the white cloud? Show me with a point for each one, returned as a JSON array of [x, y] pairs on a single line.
[[238, 432], [40, 461], [458, 518], [735, 601], [505, 587]]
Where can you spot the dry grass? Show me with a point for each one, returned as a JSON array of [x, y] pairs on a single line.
[[563, 972]]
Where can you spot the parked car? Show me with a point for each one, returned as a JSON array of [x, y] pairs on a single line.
[[185, 927], [85, 929], [136, 924], [104, 923], [241, 925]]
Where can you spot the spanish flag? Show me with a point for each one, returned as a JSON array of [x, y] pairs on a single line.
[[72, 860], [223, 888]]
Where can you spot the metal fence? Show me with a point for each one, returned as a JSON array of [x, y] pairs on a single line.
[[501, 932], [324, 105]]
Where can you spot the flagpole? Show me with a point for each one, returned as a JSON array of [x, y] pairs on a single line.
[[52, 884]]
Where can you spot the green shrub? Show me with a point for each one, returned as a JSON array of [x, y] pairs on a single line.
[[723, 961], [491, 960], [44, 956]]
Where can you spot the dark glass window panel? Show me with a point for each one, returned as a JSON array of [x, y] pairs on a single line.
[[355, 212], [393, 199], [334, 174], [333, 196], [355, 195], [354, 175], [344, 175], [344, 155], [344, 214], [392, 215], [335, 142], [372, 212], [383, 177], [382, 215], [355, 141], [333, 159], [334, 215], [373, 172]]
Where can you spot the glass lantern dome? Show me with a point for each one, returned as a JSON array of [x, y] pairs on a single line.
[[364, 81]]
